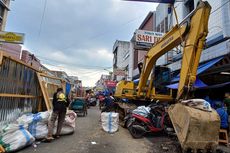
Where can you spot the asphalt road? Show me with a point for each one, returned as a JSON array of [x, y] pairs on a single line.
[[89, 131], [90, 138]]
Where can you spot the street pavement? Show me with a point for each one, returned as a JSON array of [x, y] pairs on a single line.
[[88, 131], [90, 138]]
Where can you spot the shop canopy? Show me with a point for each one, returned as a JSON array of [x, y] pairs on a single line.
[[198, 84], [201, 68]]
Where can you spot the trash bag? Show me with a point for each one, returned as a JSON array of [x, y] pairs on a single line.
[[68, 126], [37, 123], [109, 121], [14, 137], [142, 110]]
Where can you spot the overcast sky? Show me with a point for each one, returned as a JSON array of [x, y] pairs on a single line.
[[76, 36]]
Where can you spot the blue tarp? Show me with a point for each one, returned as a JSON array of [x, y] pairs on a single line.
[[68, 87], [155, 1], [136, 81], [198, 84], [201, 68]]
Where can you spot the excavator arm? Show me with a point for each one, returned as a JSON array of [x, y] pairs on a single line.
[[192, 31], [193, 47]]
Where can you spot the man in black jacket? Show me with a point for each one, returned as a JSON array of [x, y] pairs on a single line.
[[60, 103]]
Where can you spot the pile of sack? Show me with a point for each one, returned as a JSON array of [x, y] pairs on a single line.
[[30, 127]]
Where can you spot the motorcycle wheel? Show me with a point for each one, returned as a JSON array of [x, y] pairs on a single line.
[[137, 134]]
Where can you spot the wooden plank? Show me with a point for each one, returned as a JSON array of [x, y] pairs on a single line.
[[44, 92], [17, 95], [47, 94], [4, 54], [1, 57], [51, 77]]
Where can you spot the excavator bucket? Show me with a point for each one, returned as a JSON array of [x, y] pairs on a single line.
[[195, 128]]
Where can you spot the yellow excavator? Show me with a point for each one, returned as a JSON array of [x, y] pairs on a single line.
[[195, 128]]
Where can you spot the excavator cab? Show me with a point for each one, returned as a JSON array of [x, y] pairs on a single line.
[[161, 79]]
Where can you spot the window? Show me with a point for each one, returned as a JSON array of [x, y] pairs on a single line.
[[1, 11], [189, 5]]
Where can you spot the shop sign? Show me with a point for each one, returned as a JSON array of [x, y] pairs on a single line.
[[11, 37], [119, 72], [150, 37]]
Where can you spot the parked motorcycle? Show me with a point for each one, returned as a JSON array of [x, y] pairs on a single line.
[[156, 120]]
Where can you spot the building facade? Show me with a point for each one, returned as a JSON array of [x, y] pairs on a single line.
[[14, 50], [121, 58], [30, 59], [139, 51], [105, 84], [4, 8], [219, 29]]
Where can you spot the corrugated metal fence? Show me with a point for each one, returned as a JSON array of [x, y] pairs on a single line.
[[19, 89]]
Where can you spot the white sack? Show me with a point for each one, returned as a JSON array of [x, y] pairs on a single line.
[[68, 126], [14, 137], [109, 121], [142, 110], [66, 129], [37, 123], [39, 130], [38, 117], [198, 104]]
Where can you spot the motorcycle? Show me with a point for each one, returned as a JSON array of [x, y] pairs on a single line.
[[157, 120]]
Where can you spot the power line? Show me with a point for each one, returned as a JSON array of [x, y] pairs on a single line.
[[81, 65], [103, 33], [220, 6], [42, 19]]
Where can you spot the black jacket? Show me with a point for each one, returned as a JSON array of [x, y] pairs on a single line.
[[59, 105]]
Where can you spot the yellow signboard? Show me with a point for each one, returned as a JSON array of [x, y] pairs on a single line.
[[11, 37]]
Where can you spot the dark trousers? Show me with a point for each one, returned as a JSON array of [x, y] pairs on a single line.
[[61, 118], [109, 108]]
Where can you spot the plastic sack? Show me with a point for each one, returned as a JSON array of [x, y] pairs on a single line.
[[109, 121], [37, 123], [142, 110], [14, 137], [66, 129], [38, 130], [198, 104], [29, 118], [70, 118], [68, 126]]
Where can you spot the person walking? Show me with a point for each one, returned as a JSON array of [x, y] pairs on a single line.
[[60, 103], [109, 103]]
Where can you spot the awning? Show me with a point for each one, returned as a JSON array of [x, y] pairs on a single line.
[[217, 85], [198, 84], [201, 68]]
